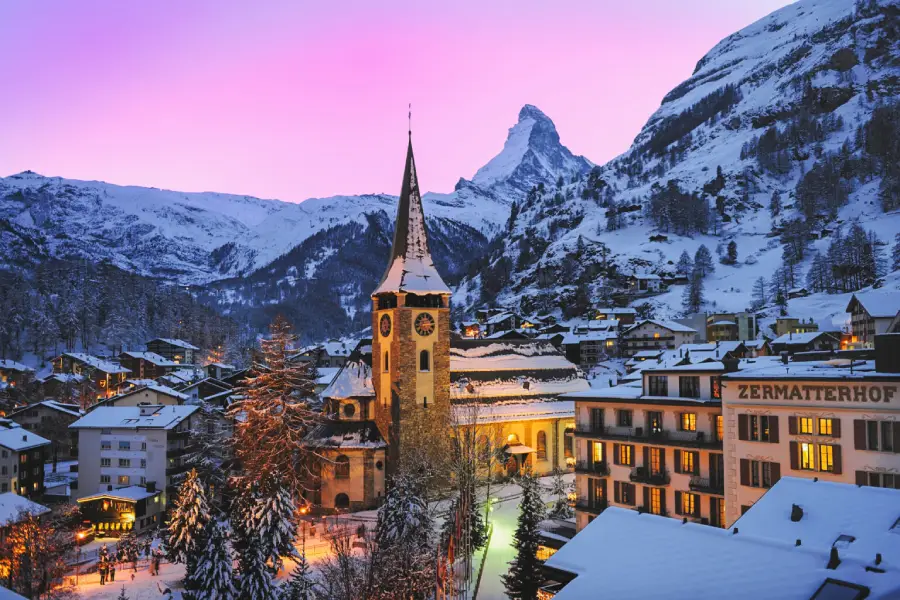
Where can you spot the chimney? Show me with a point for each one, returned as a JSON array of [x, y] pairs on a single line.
[[784, 357], [834, 560], [797, 543], [731, 364], [24, 438], [796, 513], [151, 486], [887, 353]]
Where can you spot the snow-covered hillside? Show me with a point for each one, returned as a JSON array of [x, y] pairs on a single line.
[[784, 97]]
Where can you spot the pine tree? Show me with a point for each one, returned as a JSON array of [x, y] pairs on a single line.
[[256, 577], [731, 254], [265, 514], [525, 575], [122, 595], [685, 264], [760, 293], [560, 488], [300, 586], [275, 412], [207, 449], [214, 577], [895, 254], [775, 205], [692, 299], [703, 262], [187, 525]]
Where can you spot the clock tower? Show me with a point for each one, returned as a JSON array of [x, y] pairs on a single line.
[[411, 339]]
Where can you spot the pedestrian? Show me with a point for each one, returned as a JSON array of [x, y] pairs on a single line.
[[132, 577], [112, 570], [102, 570]]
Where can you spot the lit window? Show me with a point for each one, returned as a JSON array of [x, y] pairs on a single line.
[[688, 503], [806, 425], [124, 479], [655, 461], [656, 501], [687, 462], [597, 452], [541, 445], [624, 454], [656, 336], [807, 457], [826, 457], [720, 428], [825, 426], [689, 421]]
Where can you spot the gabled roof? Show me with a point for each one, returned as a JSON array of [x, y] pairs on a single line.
[[346, 434], [152, 358], [175, 342], [69, 409], [130, 417], [132, 493], [159, 389], [410, 267], [879, 305], [19, 438], [354, 380], [670, 325], [12, 506], [800, 339], [11, 365], [97, 363]]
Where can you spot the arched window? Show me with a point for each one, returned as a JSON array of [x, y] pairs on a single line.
[[342, 467], [484, 448], [349, 410], [342, 501], [542, 445], [386, 364], [424, 361]]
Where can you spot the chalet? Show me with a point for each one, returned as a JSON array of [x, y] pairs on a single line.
[[532, 323], [177, 351], [13, 508], [22, 457], [61, 385], [786, 325], [333, 353], [483, 314], [654, 334], [152, 394], [509, 334], [758, 347], [104, 374], [133, 508], [181, 377], [644, 283], [797, 293], [625, 316], [590, 347], [871, 314], [13, 373], [203, 389], [50, 419], [814, 341], [146, 365], [470, 329], [505, 321]]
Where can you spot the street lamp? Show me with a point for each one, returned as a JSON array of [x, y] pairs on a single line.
[[303, 511]]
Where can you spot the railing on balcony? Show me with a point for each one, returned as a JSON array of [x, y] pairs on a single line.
[[709, 486], [649, 477], [592, 468], [664, 436], [593, 506]]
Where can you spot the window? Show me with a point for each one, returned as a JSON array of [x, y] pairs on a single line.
[[656, 461], [826, 457], [4, 470], [885, 480], [754, 473], [144, 444], [759, 428], [689, 386], [688, 422], [656, 501], [424, 361], [124, 480], [624, 417], [105, 445], [715, 387], [124, 462], [826, 427], [386, 363], [654, 422], [807, 457], [124, 445], [342, 501], [143, 463], [690, 503], [888, 433], [596, 452], [805, 425], [541, 445], [624, 493], [658, 385], [596, 419], [687, 462], [720, 428], [342, 467], [569, 443], [349, 410], [4, 488], [105, 431], [766, 474], [624, 455], [5, 454], [105, 462]]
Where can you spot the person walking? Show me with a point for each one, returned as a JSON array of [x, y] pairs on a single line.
[[112, 569], [102, 568]]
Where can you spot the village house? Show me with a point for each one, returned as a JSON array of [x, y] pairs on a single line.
[[786, 325], [13, 373], [644, 283], [105, 375], [203, 389], [61, 385], [815, 341], [729, 327], [148, 393], [50, 419], [146, 365], [871, 314], [625, 316], [218, 370], [331, 354], [505, 321], [177, 351], [654, 334], [587, 347], [22, 457]]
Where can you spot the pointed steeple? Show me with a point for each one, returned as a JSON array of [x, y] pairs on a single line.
[[410, 267]]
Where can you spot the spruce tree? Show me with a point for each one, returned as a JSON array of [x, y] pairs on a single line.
[[207, 448], [300, 586], [775, 205], [703, 262], [560, 489], [760, 293], [685, 264], [731, 254], [214, 576], [477, 533], [187, 524], [692, 299], [525, 576], [122, 595], [265, 514], [895, 254], [256, 577]]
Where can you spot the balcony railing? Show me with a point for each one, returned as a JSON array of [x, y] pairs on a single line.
[[645, 475], [709, 486], [595, 506], [592, 468], [698, 439]]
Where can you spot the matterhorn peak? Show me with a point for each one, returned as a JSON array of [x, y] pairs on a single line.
[[530, 111]]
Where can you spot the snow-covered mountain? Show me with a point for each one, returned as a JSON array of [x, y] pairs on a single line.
[[783, 106]]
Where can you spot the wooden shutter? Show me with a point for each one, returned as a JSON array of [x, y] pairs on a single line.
[[697, 463], [646, 499], [859, 434], [773, 430], [677, 461], [795, 456], [745, 471], [836, 458], [775, 470], [617, 496], [616, 454], [603, 490], [743, 427], [662, 460], [662, 501], [792, 425], [862, 478], [698, 499], [835, 427], [647, 458], [896, 437], [678, 503]]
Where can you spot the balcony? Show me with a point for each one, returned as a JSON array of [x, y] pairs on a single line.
[[646, 476], [592, 468], [707, 486], [688, 439], [596, 507]]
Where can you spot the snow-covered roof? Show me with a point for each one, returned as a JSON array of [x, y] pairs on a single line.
[[411, 268], [799, 339], [175, 342], [19, 438], [506, 355], [589, 336], [131, 417], [132, 493], [97, 363], [616, 311], [771, 367], [11, 365], [12, 506], [346, 434], [152, 358], [648, 354], [879, 304], [325, 375], [501, 412], [673, 326], [156, 387], [712, 366], [627, 391], [354, 380], [499, 318], [221, 365], [63, 378], [69, 409], [649, 276], [723, 323]]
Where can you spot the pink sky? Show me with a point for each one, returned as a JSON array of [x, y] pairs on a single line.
[[289, 99]]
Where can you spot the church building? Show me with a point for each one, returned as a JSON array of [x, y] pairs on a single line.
[[399, 399]]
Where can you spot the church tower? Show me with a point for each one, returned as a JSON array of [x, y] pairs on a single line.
[[411, 339]]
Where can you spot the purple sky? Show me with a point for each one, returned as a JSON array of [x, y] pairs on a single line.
[[289, 99]]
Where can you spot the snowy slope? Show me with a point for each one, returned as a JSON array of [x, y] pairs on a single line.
[[769, 63]]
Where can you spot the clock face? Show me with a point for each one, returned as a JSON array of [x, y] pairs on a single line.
[[424, 324], [385, 325]]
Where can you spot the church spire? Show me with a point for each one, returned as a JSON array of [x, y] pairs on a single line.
[[410, 267]]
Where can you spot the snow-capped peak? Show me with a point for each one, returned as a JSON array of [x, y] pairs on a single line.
[[532, 152]]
